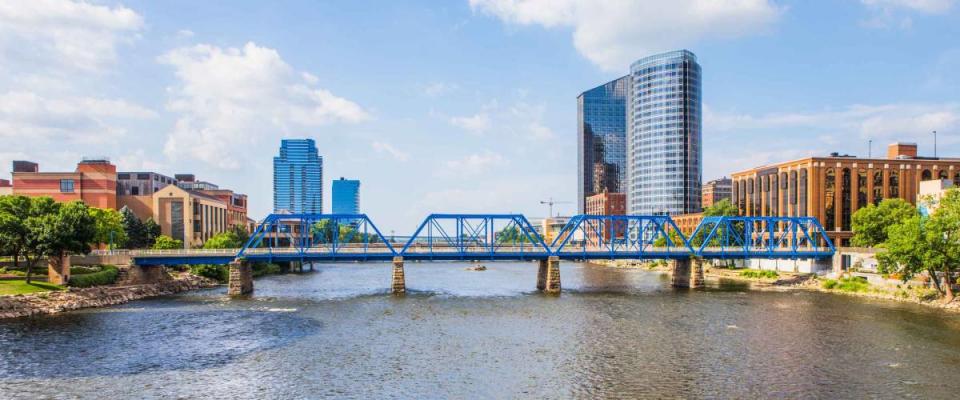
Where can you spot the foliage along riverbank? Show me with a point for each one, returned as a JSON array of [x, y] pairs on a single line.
[[53, 302]]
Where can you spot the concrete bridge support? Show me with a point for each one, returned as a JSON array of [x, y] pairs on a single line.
[[548, 275], [241, 278], [399, 284], [687, 273]]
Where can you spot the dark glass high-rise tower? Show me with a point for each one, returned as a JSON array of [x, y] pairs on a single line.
[[298, 177], [601, 142], [664, 137]]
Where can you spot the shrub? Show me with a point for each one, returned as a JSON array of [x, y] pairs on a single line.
[[4, 271], [220, 273], [830, 284], [261, 269], [849, 284], [81, 270], [107, 275], [759, 274]]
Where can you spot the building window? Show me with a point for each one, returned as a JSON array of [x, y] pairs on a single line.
[[846, 198], [926, 175], [956, 180], [123, 177], [861, 188], [829, 189], [756, 197], [894, 184], [877, 187], [803, 193], [793, 187], [774, 198], [66, 186], [143, 177], [135, 190], [942, 174]]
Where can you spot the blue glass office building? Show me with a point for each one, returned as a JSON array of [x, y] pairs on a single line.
[[664, 138], [346, 196], [601, 142], [298, 177]]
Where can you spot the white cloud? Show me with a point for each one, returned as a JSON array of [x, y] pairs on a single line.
[[65, 33], [474, 164], [613, 33], [888, 13], [477, 123], [879, 122], [437, 89], [229, 99], [64, 118], [383, 147]]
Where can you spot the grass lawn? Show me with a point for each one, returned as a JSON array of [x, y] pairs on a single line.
[[17, 286]]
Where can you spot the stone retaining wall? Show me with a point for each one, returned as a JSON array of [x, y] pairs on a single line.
[[75, 299]]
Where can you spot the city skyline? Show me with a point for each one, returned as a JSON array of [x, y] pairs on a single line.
[[503, 106]]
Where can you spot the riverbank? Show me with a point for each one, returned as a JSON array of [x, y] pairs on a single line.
[[905, 293], [74, 299]]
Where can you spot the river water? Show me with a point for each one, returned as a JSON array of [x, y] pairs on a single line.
[[612, 333]]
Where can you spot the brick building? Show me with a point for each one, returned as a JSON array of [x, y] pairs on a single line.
[[607, 204], [716, 190], [94, 182], [833, 188]]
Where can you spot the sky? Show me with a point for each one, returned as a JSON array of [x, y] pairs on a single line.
[[456, 106]]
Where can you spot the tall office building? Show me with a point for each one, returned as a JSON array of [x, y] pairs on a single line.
[[601, 142], [298, 177], [663, 135], [346, 196]]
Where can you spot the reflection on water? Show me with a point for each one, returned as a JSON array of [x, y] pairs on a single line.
[[468, 334]]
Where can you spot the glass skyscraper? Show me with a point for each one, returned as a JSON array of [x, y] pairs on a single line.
[[346, 196], [601, 142], [664, 138], [298, 177]]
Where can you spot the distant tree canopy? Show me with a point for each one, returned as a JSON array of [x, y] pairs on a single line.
[[323, 232], [165, 242], [224, 240], [915, 244], [140, 235], [870, 223], [38, 227]]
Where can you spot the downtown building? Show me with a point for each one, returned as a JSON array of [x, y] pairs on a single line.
[[640, 136], [298, 178], [716, 191], [601, 142], [664, 154], [346, 196], [833, 188]]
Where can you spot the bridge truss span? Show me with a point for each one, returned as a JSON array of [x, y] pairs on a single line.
[[761, 237], [317, 237], [475, 237], [640, 237]]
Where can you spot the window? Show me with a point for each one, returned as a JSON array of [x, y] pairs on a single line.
[[846, 198], [861, 188], [135, 190], [877, 187], [894, 184], [66, 186], [829, 188], [802, 197], [926, 175], [942, 174], [123, 177], [143, 177]]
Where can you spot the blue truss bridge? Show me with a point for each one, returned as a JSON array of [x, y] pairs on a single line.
[[296, 239], [511, 237]]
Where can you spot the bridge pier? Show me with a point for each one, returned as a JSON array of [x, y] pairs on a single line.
[[241, 278], [687, 273], [399, 284], [548, 275]]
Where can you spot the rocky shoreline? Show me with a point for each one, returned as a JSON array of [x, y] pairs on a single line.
[[46, 303]]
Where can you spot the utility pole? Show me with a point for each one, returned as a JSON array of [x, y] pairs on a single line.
[[870, 148]]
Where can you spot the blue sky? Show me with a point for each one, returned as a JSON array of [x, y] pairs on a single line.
[[457, 106]]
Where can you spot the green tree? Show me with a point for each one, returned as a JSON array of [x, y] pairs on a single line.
[[722, 208], [870, 223], [134, 229], [224, 240], [109, 227], [152, 232], [926, 244], [165, 242], [14, 233], [60, 229]]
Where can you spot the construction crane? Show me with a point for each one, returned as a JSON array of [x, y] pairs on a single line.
[[551, 203]]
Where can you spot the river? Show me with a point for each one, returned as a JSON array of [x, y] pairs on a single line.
[[612, 333]]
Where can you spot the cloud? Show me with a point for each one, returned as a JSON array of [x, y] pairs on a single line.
[[230, 99], [26, 114], [65, 33], [477, 123], [383, 147], [889, 13], [879, 122], [437, 89], [474, 164], [613, 33]]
